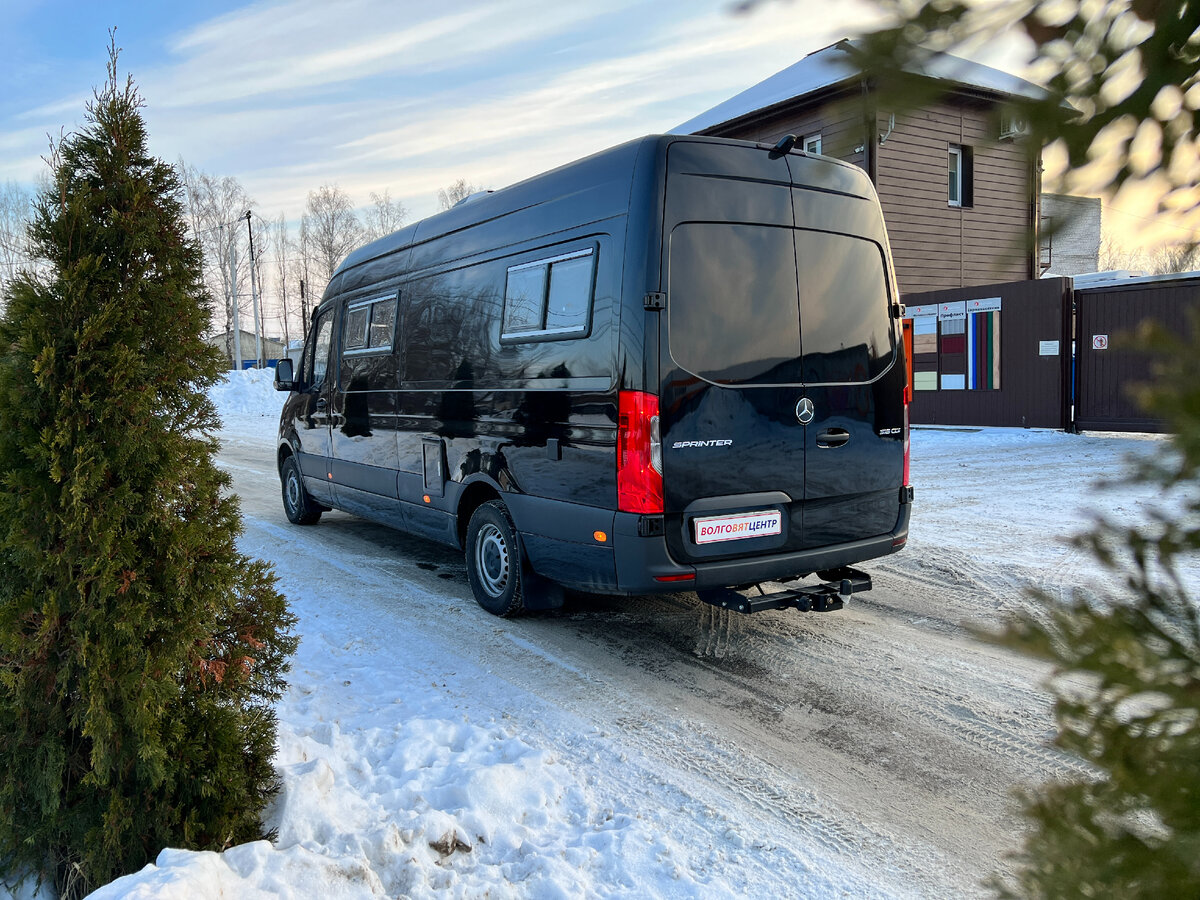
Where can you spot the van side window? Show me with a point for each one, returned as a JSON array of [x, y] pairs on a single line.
[[549, 298], [356, 328], [370, 325], [383, 321]]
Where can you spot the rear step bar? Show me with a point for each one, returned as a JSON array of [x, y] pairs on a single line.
[[837, 586]]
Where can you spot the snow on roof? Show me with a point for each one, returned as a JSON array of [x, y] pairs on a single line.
[[834, 65], [1123, 277]]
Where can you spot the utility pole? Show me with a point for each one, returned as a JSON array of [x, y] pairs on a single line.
[[303, 310], [237, 328], [258, 354]]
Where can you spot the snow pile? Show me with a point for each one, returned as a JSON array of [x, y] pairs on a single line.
[[250, 392], [397, 781], [414, 793]]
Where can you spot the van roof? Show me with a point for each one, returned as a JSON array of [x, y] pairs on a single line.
[[490, 205], [614, 166]]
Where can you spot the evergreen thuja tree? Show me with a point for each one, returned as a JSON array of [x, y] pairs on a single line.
[[1127, 685], [140, 652]]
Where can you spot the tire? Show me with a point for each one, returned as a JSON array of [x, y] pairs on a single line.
[[301, 508], [494, 562]]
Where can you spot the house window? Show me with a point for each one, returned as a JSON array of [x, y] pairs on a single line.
[[812, 143], [960, 191], [549, 298]]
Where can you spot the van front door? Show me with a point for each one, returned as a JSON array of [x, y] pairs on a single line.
[[312, 421]]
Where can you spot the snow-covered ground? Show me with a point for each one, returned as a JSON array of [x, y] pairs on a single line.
[[656, 747]]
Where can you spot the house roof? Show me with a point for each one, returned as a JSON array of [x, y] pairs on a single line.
[[833, 65]]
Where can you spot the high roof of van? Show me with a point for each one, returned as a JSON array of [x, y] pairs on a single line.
[[610, 170], [614, 164]]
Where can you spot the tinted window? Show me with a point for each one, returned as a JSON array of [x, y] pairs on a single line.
[[367, 363], [847, 328], [318, 362], [383, 319], [733, 308], [356, 328], [369, 325], [523, 299], [549, 298], [570, 292]]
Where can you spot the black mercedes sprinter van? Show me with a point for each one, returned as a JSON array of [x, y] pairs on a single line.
[[674, 365]]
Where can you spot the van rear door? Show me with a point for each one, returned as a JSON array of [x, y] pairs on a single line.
[[854, 444], [768, 447]]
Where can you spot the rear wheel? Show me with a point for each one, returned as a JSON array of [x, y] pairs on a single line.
[[494, 563], [300, 507]]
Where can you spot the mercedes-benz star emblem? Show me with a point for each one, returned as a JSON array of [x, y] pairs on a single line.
[[805, 410]]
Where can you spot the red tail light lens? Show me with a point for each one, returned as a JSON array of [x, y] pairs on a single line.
[[907, 480], [639, 453]]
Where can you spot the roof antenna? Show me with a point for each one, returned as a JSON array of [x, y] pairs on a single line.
[[784, 147]]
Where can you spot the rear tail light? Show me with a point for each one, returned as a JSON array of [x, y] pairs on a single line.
[[907, 480], [639, 453]]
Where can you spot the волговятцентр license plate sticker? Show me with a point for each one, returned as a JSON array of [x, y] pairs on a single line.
[[739, 527]]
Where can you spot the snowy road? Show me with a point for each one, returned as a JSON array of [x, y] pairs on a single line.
[[866, 752]]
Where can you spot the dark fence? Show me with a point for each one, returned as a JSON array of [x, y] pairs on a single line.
[[1038, 354], [992, 355], [1109, 369]]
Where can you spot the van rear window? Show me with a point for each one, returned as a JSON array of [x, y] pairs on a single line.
[[733, 307], [759, 305], [846, 324]]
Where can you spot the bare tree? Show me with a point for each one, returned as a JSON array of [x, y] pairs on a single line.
[[286, 286], [332, 230], [216, 208], [1168, 259], [15, 211], [384, 215], [303, 272], [454, 194]]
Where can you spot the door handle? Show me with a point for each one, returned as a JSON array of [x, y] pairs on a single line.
[[833, 437]]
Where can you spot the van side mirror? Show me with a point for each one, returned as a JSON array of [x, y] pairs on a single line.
[[284, 376]]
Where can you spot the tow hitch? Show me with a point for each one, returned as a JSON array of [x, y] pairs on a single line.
[[833, 593]]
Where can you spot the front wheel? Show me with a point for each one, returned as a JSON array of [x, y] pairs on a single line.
[[300, 507], [494, 564]]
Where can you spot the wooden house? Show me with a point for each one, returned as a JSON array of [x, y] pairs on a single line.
[[959, 188]]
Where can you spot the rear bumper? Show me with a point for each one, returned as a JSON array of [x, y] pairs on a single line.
[[642, 561]]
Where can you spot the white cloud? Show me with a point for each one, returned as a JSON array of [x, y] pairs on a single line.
[[299, 46]]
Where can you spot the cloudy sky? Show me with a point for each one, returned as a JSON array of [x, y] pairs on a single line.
[[409, 96]]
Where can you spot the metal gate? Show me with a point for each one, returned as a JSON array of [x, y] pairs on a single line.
[[1108, 368]]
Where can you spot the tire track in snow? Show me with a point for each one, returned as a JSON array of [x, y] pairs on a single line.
[[883, 733]]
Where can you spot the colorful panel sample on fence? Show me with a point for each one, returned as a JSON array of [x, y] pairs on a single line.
[[925, 353], [956, 345], [983, 351], [952, 353]]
